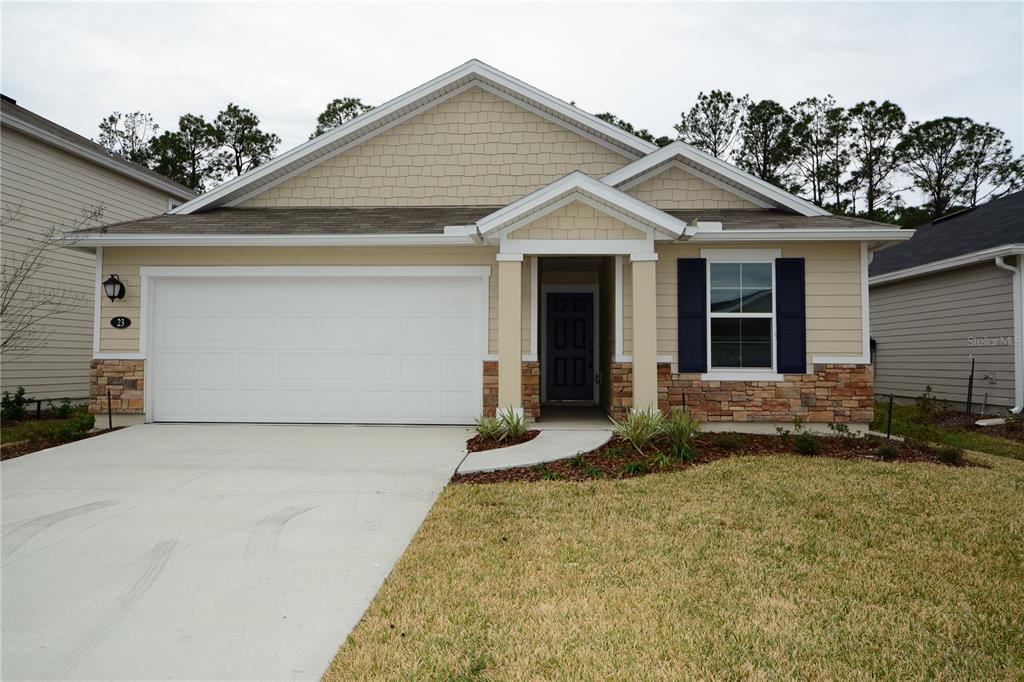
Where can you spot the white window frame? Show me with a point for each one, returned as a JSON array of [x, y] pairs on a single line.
[[726, 256]]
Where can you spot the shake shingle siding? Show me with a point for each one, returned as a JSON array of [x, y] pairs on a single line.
[[923, 329]]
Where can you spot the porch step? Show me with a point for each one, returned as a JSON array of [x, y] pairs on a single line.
[[549, 445]]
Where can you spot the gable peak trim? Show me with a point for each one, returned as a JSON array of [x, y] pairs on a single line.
[[418, 99], [711, 166]]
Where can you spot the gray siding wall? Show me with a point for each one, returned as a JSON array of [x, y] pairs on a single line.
[[43, 186], [922, 328]]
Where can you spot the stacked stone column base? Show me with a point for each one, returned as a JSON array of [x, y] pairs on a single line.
[[531, 388], [124, 379]]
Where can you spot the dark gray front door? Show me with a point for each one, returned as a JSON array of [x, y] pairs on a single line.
[[570, 347]]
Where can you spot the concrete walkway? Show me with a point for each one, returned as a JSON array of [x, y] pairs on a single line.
[[208, 552], [563, 433]]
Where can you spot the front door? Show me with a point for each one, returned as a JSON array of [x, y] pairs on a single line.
[[570, 347]]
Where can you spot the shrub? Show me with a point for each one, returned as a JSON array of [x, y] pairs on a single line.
[[591, 471], [633, 468], [888, 452], [488, 428], [680, 430], [614, 452], [842, 430], [512, 425], [729, 440], [578, 461], [807, 443], [546, 473], [926, 404], [640, 427], [951, 455], [662, 460], [14, 407], [62, 411]]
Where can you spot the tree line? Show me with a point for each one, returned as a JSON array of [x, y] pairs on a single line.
[[851, 161], [200, 153]]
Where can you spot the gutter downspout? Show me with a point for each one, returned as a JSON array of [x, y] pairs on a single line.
[[1018, 330]]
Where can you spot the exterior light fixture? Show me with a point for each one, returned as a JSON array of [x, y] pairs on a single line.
[[113, 288]]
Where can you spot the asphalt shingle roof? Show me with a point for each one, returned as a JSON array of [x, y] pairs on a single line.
[[19, 113], [416, 220], [994, 224]]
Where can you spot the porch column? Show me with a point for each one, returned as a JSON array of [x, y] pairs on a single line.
[[645, 332], [510, 332]]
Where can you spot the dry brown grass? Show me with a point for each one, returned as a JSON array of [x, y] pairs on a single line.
[[761, 568]]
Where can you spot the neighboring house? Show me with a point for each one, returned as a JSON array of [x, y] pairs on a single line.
[[950, 294], [476, 244], [53, 180]]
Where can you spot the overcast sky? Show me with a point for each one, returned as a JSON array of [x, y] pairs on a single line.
[[75, 63]]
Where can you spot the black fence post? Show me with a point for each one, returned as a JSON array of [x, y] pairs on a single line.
[[39, 409], [888, 427], [970, 386], [110, 411]]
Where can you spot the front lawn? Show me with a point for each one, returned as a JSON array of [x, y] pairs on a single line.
[[910, 422], [747, 567]]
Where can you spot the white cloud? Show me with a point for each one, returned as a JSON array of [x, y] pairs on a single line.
[[76, 63]]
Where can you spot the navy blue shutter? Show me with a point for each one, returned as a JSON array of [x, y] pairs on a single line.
[[790, 316], [693, 312]]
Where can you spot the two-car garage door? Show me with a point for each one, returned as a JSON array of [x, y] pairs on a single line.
[[334, 349]]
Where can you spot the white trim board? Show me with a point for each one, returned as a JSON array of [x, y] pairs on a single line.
[[949, 263], [179, 239]]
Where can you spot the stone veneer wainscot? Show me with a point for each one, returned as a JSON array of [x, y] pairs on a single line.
[[832, 394], [124, 379]]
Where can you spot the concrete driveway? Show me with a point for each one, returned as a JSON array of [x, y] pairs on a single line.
[[207, 551]]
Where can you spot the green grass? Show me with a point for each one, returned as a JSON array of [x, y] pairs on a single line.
[[46, 429], [763, 568], [906, 422]]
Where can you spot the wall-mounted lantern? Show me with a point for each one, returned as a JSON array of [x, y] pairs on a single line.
[[113, 288]]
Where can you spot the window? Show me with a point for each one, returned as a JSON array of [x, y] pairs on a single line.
[[741, 315]]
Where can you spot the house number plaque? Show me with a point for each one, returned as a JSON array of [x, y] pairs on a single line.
[[120, 322]]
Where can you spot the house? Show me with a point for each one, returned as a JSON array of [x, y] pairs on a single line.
[[950, 295], [53, 181], [476, 245]]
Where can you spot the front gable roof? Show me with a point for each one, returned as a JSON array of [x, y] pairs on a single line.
[[473, 73], [714, 170], [578, 186]]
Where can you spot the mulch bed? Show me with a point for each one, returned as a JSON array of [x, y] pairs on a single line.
[[477, 444], [1013, 429], [618, 459], [12, 450]]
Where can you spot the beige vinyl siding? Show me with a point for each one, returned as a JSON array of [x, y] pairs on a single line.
[[921, 328], [43, 187], [126, 262], [675, 188], [577, 221], [472, 149], [832, 272]]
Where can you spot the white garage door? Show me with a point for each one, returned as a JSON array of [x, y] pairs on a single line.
[[316, 349]]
